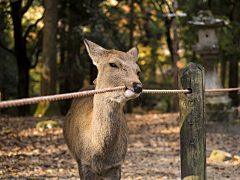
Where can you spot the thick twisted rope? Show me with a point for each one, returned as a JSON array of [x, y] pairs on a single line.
[[222, 90], [25, 101], [165, 91]]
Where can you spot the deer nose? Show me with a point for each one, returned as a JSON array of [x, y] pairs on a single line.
[[137, 87]]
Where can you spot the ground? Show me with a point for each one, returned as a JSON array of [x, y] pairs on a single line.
[[153, 150]]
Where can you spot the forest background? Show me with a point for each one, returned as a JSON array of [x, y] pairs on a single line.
[[42, 50]]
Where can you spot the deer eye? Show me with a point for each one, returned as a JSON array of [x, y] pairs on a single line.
[[113, 65], [138, 73]]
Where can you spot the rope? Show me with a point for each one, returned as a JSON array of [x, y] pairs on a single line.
[[222, 90], [165, 91], [25, 101]]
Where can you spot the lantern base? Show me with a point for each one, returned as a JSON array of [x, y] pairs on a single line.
[[229, 123], [221, 116]]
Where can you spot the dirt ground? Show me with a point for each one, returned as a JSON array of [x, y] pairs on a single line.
[[153, 150]]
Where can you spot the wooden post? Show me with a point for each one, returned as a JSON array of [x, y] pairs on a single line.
[[192, 122]]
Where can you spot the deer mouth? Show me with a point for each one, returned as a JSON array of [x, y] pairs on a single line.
[[130, 94]]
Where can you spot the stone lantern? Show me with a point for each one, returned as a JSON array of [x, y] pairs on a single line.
[[218, 105]]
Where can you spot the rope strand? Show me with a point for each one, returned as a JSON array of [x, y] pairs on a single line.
[[165, 91], [222, 90], [25, 101]]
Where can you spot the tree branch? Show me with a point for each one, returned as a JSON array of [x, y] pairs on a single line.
[[36, 59], [167, 23], [30, 27], [157, 5], [38, 44], [9, 12], [169, 8], [9, 50], [34, 48], [78, 61], [26, 7]]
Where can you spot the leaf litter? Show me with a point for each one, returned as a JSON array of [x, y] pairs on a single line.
[[27, 152]]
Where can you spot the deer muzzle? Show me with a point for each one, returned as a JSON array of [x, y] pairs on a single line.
[[135, 92], [137, 87]]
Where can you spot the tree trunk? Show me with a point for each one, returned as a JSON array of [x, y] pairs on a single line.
[[131, 28], [168, 36], [48, 84], [22, 60], [233, 66], [175, 58], [62, 80], [48, 76], [233, 80], [69, 65]]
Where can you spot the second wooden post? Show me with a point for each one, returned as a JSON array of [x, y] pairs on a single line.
[[192, 123]]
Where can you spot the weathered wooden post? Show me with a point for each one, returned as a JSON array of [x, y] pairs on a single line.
[[192, 123]]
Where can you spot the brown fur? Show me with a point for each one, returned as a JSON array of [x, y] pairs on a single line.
[[95, 128]]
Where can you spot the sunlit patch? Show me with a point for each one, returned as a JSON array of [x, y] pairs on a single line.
[[114, 2]]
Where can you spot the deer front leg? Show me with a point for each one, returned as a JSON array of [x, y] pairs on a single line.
[[115, 175], [85, 173]]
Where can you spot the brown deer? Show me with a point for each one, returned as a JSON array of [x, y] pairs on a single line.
[[95, 128]]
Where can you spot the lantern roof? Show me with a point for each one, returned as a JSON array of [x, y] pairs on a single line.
[[205, 19]]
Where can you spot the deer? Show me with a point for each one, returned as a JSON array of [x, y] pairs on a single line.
[[95, 129]]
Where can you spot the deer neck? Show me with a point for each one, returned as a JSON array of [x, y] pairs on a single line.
[[106, 122]]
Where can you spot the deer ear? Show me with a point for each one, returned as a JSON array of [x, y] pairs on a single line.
[[134, 52], [95, 51]]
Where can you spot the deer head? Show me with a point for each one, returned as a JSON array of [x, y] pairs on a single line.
[[116, 68]]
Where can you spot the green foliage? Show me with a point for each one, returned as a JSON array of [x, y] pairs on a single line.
[[48, 124], [8, 128], [108, 23]]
